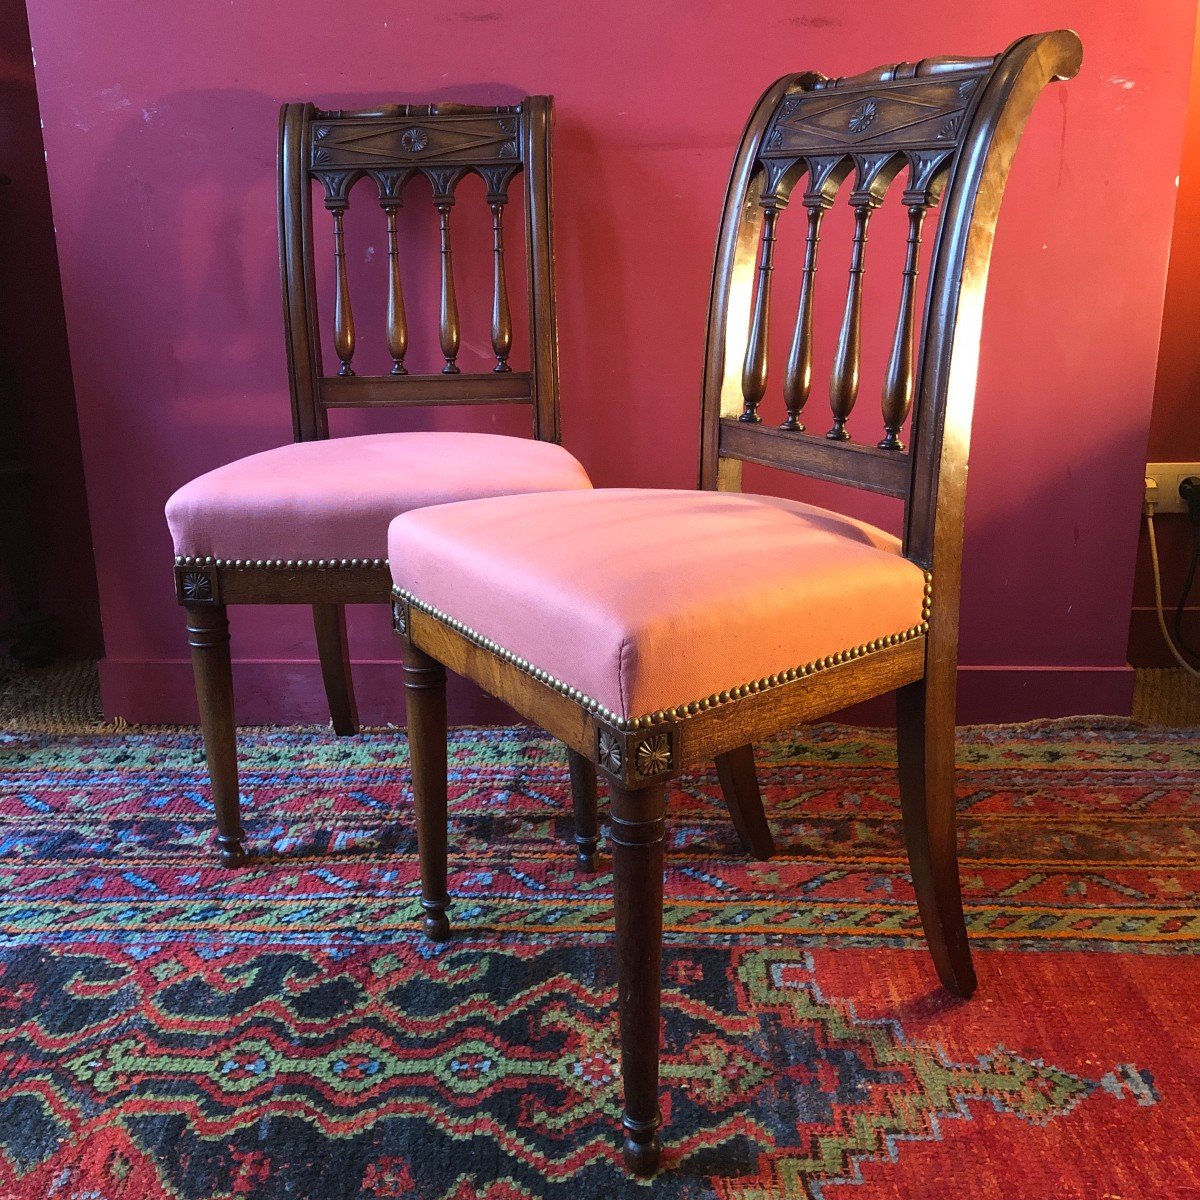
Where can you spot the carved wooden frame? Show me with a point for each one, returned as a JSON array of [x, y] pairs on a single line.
[[389, 145], [967, 119]]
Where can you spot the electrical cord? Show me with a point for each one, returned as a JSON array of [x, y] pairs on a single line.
[[1183, 599], [1158, 596]]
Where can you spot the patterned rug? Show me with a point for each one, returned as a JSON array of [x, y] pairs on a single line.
[[169, 1029]]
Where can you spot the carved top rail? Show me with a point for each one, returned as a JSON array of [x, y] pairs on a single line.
[[441, 142], [907, 108], [391, 145]]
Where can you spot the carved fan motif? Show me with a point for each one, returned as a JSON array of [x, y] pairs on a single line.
[[653, 755], [951, 127], [196, 586], [862, 116], [414, 140], [611, 758]]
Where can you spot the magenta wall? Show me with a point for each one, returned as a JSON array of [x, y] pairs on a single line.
[[160, 133], [1175, 424]]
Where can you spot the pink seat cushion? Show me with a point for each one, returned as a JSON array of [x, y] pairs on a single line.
[[646, 600], [334, 499]]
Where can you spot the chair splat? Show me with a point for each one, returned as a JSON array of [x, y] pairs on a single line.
[[390, 186], [448, 327], [797, 382], [754, 373], [898, 381], [843, 381], [497, 180], [824, 178], [337, 187], [874, 174]]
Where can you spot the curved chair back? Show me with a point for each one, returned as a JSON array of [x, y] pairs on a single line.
[[948, 128], [390, 146]]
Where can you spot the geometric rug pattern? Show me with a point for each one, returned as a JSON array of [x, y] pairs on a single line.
[[172, 1029]]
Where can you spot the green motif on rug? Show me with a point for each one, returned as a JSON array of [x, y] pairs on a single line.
[[169, 1029]]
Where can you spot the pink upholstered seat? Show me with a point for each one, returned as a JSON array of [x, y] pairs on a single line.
[[333, 499], [647, 600]]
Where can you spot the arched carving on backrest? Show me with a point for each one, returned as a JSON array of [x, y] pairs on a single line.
[[950, 127], [391, 146]]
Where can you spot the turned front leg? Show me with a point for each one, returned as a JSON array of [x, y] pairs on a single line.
[[208, 638], [637, 835], [425, 697]]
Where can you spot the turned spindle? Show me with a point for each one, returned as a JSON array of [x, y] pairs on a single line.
[[797, 382], [754, 370], [448, 326], [501, 318], [898, 381], [343, 315], [397, 324], [843, 382]]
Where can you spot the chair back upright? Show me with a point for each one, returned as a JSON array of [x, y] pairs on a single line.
[[390, 146], [948, 128]]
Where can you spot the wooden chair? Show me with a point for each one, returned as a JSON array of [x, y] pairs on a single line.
[[651, 631], [306, 523]]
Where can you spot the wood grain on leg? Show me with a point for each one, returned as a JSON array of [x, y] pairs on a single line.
[[925, 747], [739, 784], [425, 695], [583, 796], [334, 652], [208, 637], [637, 835]]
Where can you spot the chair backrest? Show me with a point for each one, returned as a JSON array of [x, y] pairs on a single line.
[[950, 127], [390, 146]]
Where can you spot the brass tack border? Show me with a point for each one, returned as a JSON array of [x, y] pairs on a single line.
[[681, 712], [279, 564]]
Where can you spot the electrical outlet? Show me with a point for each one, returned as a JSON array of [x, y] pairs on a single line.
[[1168, 477]]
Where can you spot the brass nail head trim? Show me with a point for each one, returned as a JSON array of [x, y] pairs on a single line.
[[680, 711]]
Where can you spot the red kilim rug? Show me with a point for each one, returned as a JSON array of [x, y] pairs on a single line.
[[169, 1029]]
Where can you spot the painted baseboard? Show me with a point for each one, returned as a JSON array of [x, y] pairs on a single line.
[[989, 695], [160, 692], [276, 692]]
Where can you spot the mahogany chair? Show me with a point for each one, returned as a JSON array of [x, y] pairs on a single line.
[[307, 523], [651, 631]]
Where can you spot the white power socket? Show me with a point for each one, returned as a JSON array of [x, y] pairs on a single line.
[[1167, 478]]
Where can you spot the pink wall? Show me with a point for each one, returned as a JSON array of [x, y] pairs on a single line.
[[160, 131], [1175, 421]]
